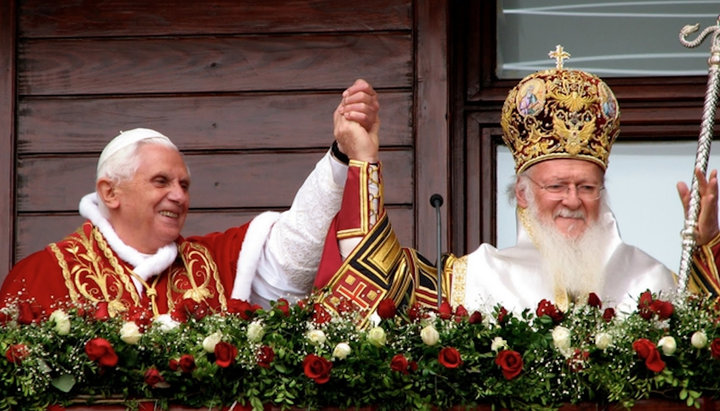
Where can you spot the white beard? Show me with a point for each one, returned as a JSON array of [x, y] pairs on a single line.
[[575, 264]]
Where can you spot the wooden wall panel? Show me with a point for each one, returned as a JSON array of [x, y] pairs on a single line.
[[258, 63], [38, 230], [246, 89], [241, 180], [241, 121], [7, 134], [73, 18]]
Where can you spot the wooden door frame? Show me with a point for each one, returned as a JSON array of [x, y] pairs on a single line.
[[431, 123], [7, 138]]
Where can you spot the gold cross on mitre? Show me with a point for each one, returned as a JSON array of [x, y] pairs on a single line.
[[560, 55]]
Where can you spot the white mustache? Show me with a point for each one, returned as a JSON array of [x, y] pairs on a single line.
[[566, 213]]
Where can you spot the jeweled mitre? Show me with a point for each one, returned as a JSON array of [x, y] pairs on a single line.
[[560, 113]]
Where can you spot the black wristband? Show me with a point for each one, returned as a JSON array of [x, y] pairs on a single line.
[[339, 155]]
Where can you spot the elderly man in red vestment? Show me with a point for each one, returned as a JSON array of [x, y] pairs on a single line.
[[129, 253]]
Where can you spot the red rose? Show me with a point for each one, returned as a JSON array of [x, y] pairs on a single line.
[[576, 363], [415, 312], [644, 305], [475, 318], [449, 357], [101, 311], [344, 306], [460, 313], [386, 309], [29, 313], [265, 356], [399, 363], [140, 316], [187, 363], [510, 362], [608, 314], [545, 307], [715, 348], [594, 301], [16, 353], [225, 354], [647, 351], [320, 314], [189, 308], [445, 310], [284, 306], [645, 299], [502, 315], [663, 309], [413, 366], [242, 308], [100, 350], [317, 368], [55, 407], [173, 364], [153, 377]]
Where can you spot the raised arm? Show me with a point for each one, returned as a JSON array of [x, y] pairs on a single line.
[[290, 257], [706, 258]]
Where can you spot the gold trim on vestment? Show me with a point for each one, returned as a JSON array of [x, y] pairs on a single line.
[[458, 268]]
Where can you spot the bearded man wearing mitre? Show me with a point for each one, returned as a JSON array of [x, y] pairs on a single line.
[[559, 125]]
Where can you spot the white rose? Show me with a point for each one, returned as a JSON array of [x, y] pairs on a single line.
[[668, 345], [429, 335], [316, 337], [341, 351], [255, 331], [165, 322], [603, 340], [130, 333], [376, 336], [699, 339], [561, 340], [498, 343], [62, 322], [211, 341]]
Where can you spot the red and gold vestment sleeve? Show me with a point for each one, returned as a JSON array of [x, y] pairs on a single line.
[[704, 276], [362, 202], [378, 269]]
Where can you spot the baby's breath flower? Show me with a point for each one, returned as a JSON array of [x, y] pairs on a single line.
[[165, 322]]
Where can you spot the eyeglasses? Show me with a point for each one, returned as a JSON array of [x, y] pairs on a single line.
[[560, 191]]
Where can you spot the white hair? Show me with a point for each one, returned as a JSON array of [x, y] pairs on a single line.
[[122, 164], [119, 160]]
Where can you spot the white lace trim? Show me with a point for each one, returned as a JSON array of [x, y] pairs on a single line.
[[144, 265]]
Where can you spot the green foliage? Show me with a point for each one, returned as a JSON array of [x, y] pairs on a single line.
[[581, 357]]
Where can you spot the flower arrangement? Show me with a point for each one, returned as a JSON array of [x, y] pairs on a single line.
[[303, 356]]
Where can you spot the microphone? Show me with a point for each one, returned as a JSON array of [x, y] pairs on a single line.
[[436, 201]]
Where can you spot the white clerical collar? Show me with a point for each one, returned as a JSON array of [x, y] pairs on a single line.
[[144, 265]]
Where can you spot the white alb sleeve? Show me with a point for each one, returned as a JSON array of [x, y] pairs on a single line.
[[291, 255]]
